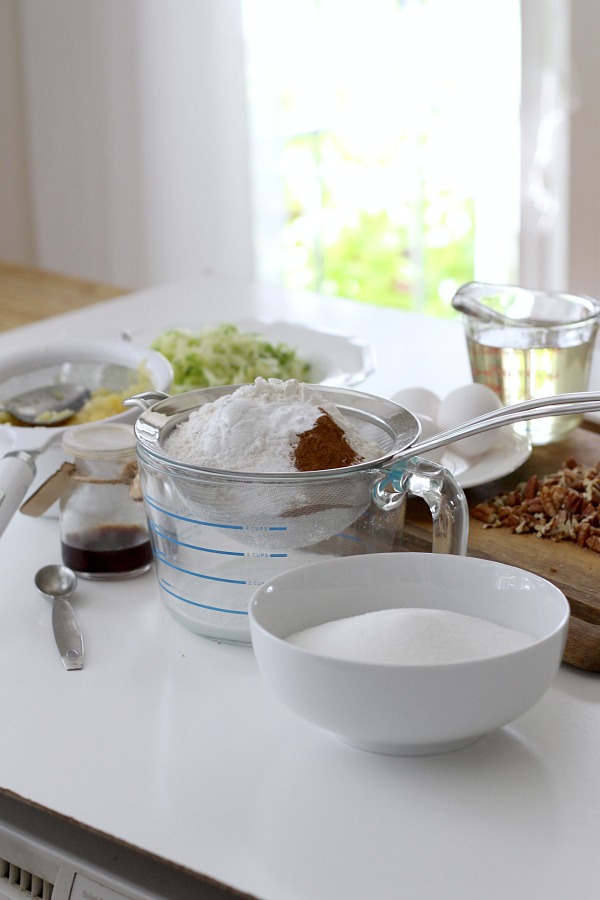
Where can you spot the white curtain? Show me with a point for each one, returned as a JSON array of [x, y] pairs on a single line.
[[135, 138]]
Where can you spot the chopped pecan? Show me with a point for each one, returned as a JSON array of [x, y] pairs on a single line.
[[562, 506], [504, 511], [547, 501], [593, 543], [583, 533], [531, 488], [525, 526], [485, 512], [573, 502], [511, 521]]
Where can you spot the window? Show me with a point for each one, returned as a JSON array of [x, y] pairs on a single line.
[[389, 132], [398, 147]]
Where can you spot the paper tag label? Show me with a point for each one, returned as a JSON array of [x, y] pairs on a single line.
[[49, 492]]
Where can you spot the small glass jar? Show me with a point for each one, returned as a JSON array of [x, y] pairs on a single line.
[[104, 533]]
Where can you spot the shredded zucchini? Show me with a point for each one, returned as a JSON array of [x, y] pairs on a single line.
[[222, 354]]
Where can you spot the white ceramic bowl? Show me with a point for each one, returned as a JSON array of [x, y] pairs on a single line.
[[87, 361], [94, 363], [408, 709]]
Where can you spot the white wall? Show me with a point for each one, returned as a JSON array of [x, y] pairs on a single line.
[[16, 230], [136, 138], [584, 192], [546, 105]]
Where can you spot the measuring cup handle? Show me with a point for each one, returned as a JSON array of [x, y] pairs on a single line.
[[440, 490], [17, 471]]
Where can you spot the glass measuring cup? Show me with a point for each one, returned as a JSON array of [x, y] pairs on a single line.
[[527, 344], [217, 535]]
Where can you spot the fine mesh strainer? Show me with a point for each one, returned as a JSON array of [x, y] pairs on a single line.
[[274, 510], [277, 510]]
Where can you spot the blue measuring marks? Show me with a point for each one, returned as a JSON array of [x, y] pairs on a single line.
[[168, 548], [167, 512]]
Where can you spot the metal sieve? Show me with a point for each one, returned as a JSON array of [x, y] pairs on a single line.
[[296, 509], [282, 510]]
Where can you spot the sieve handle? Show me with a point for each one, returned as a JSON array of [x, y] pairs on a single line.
[[145, 400], [440, 490], [558, 405]]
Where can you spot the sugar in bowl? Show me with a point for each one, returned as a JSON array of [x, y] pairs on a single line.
[[104, 533]]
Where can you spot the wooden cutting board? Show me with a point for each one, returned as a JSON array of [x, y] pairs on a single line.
[[576, 571]]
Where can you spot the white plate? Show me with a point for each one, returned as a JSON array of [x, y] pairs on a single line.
[[337, 360], [509, 452]]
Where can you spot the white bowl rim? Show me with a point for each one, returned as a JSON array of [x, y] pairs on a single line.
[[39, 355], [370, 559]]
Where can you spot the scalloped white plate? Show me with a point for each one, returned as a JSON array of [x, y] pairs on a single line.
[[509, 452], [337, 360]]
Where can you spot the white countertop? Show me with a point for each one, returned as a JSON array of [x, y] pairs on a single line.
[[173, 743]]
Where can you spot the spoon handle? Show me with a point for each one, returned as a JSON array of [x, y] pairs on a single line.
[[17, 471], [67, 634], [558, 405]]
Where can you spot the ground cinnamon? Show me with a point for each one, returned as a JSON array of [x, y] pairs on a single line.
[[324, 446]]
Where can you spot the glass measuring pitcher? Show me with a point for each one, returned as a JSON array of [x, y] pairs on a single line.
[[217, 535], [526, 344]]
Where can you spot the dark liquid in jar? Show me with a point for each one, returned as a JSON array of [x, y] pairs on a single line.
[[108, 549]]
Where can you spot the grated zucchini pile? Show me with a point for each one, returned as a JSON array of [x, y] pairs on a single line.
[[222, 354]]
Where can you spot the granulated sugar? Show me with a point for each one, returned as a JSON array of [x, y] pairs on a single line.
[[410, 636], [256, 428]]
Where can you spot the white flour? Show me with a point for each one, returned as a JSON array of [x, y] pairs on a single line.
[[256, 428], [411, 637]]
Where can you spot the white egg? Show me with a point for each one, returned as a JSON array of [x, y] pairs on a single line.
[[428, 429], [418, 400], [466, 403]]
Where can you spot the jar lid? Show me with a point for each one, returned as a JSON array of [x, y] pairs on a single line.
[[102, 440]]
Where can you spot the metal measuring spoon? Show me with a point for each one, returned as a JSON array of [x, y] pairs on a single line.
[[57, 583], [46, 405]]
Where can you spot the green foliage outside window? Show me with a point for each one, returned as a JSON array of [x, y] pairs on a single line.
[[343, 238]]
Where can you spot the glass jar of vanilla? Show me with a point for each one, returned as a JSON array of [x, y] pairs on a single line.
[[104, 533]]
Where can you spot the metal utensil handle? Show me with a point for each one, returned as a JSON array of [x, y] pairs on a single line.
[[559, 405], [67, 634], [17, 471]]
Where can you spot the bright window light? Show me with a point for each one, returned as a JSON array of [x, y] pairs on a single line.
[[388, 134]]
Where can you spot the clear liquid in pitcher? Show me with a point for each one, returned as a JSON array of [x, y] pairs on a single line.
[[517, 368]]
